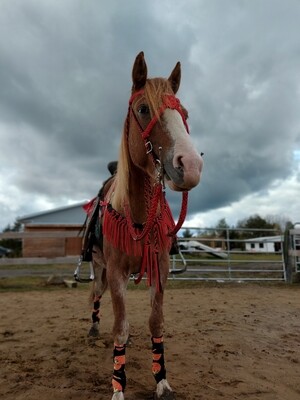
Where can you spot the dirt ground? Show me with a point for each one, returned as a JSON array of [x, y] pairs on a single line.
[[221, 342]]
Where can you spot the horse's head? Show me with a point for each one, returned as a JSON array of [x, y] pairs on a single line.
[[157, 131]]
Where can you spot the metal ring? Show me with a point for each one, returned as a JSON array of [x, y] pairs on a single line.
[[149, 147]]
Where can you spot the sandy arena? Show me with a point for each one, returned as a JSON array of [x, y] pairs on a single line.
[[221, 342]]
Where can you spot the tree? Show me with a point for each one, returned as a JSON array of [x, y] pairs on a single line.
[[13, 244], [256, 222], [187, 233], [221, 228], [279, 221]]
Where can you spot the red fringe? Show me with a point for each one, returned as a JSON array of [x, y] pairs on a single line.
[[117, 232]]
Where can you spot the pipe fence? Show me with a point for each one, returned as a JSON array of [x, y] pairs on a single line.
[[207, 254]]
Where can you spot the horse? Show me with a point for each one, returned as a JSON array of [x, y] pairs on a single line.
[[135, 219]]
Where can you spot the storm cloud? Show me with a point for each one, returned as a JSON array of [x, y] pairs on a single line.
[[65, 78]]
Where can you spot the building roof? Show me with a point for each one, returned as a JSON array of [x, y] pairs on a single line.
[[266, 239], [72, 214]]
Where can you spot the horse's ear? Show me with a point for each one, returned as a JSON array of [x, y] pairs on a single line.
[[139, 72], [175, 77]]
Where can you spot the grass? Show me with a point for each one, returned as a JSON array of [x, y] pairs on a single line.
[[30, 283], [36, 275], [38, 267], [33, 283], [22, 283], [243, 257]]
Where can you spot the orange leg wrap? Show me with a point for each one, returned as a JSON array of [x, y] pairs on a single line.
[[119, 376]]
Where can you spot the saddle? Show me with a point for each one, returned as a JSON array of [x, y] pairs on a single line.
[[92, 229]]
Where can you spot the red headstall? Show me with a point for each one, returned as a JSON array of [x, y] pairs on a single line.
[[169, 101]]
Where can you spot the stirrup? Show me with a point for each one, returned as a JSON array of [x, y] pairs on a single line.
[[77, 272], [176, 271]]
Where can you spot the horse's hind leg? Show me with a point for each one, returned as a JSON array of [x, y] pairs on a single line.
[[99, 287]]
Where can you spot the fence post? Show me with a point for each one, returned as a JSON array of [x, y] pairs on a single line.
[[287, 258]]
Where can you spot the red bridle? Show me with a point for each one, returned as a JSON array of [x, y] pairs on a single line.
[[169, 101], [173, 103]]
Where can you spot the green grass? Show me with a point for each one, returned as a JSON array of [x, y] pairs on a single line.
[[35, 282], [22, 283], [39, 267], [28, 283]]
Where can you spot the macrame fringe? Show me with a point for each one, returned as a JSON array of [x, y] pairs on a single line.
[[118, 233], [150, 267]]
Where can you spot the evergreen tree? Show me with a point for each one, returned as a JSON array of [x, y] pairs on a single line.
[[13, 244]]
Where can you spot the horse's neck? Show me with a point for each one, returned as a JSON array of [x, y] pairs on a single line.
[[139, 196]]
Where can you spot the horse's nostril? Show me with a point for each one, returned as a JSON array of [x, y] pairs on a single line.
[[179, 163]]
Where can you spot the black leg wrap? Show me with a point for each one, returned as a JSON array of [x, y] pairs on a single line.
[[158, 361], [95, 316], [119, 376], [96, 311]]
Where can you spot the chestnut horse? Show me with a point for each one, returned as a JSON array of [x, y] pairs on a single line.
[[135, 219]]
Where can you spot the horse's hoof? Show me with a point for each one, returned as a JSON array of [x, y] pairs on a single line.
[[165, 396], [164, 391], [94, 332], [118, 396]]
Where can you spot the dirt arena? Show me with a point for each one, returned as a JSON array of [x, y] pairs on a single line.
[[221, 342]]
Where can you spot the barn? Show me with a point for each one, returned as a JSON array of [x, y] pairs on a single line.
[[53, 233], [266, 244]]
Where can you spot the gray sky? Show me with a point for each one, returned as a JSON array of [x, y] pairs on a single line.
[[65, 79]]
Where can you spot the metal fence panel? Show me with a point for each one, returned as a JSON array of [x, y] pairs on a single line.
[[230, 255]]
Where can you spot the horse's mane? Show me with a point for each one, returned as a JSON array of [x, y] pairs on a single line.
[[154, 90]]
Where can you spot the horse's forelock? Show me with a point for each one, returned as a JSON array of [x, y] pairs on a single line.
[[155, 89]]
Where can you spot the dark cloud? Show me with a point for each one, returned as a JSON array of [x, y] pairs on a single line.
[[65, 78]]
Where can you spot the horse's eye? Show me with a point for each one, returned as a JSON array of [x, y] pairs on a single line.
[[143, 109]]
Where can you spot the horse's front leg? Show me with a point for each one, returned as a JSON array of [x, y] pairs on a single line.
[[156, 322], [117, 283]]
